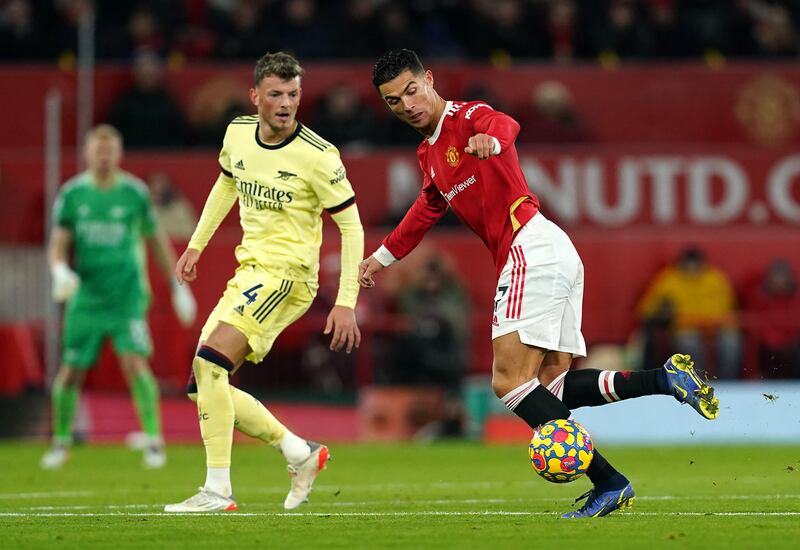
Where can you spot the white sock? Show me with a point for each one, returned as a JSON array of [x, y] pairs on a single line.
[[294, 449], [219, 481]]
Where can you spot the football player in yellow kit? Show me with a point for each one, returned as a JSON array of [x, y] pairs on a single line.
[[284, 175]]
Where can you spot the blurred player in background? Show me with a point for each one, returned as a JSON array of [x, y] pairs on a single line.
[[105, 215], [284, 176], [469, 163]]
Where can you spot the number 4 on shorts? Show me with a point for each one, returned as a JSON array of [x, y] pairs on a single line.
[[251, 294]]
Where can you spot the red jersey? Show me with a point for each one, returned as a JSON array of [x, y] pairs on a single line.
[[490, 196]]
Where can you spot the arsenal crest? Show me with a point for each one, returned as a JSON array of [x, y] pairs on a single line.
[[452, 156]]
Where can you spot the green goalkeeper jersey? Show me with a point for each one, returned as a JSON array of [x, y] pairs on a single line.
[[108, 226]]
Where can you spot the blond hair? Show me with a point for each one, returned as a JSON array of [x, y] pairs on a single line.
[[104, 131]]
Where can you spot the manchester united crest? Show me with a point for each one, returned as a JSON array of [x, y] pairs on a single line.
[[452, 156], [769, 109]]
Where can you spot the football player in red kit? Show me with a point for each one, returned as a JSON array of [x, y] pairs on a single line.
[[469, 163]]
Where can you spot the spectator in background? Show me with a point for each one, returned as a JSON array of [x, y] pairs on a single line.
[[175, 215], [696, 302], [562, 30], [432, 351], [359, 36], [773, 314], [552, 118], [303, 31], [146, 114], [502, 31], [395, 29], [773, 30], [243, 29], [622, 34], [213, 105], [326, 370], [344, 119], [670, 38], [19, 36], [144, 32]]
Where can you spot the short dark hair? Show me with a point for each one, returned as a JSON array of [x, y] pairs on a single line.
[[281, 64], [394, 62]]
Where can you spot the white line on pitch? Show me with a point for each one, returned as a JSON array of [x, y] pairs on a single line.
[[50, 494], [383, 514], [485, 501]]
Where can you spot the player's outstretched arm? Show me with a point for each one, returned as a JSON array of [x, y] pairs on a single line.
[[342, 325]]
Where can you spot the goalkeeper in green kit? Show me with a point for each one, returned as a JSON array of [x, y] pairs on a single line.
[[105, 215]]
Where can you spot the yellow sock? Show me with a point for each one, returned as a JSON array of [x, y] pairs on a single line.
[[215, 411], [253, 418]]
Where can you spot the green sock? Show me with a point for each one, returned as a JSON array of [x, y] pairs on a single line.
[[64, 402], [145, 397]]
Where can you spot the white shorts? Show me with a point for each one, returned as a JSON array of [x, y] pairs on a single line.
[[540, 290]]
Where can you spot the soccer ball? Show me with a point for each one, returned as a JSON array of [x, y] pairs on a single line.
[[561, 450]]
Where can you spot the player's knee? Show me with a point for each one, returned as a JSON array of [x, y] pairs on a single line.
[[501, 384], [503, 376], [208, 365], [549, 373], [69, 378]]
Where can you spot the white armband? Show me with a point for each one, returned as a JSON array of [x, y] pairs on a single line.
[[496, 149], [384, 257]]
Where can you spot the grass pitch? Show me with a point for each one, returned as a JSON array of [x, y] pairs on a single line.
[[454, 495]]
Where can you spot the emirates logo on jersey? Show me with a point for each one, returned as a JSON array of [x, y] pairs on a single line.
[[452, 156]]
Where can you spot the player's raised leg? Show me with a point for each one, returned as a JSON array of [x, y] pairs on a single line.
[[594, 387], [305, 459], [514, 381]]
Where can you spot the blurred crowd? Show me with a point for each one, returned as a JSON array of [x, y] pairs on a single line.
[[691, 306], [497, 30]]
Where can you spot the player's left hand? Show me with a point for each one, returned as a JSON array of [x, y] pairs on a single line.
[[342, 323], [481, 146], [184, 304]]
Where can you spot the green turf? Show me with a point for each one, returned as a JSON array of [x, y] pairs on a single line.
[[440, 496]]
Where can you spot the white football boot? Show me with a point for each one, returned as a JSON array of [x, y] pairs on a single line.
[[304, 474], [55, 457], [154, 456], [205, 500]]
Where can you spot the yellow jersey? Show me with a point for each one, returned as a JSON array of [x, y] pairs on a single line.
[[282, 190]]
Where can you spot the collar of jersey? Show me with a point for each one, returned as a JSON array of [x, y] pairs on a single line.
[[435, 136], [284, 143]]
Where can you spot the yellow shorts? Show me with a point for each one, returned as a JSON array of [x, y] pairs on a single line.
[[260, 305]]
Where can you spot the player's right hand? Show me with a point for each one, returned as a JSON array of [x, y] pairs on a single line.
[[65, 282], [366, 269], [186, 268]]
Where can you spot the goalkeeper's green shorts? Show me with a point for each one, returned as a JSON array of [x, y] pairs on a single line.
[[86, 330]]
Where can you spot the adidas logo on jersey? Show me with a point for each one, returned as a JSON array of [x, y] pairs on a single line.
[[240, 165], [239, 310]]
